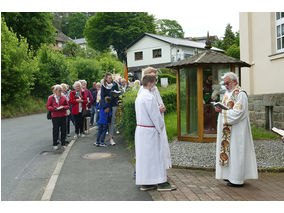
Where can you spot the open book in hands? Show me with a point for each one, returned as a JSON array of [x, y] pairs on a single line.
[[277, 131], [59, 108], [218, 104]]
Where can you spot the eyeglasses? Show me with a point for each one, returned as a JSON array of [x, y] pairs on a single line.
[[227, 83]]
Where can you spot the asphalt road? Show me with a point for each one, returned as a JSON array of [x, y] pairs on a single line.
[[27, 160]]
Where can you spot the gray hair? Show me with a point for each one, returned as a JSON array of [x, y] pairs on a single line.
[[76, 83], [83, 82], [98, 85], [232, 76], [57, 87]]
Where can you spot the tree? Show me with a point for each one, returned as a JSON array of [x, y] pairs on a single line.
[[36, 27], [117, 29], [233, 51], [229, 38], [169, 28], [74, 25], [17, 67]]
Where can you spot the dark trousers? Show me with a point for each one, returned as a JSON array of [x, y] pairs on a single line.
[[79, 123], [102, 132], [59, 123], [68, 124]]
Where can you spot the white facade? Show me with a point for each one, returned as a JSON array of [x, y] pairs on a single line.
[[258, 46], [147, 45], [172, 50]]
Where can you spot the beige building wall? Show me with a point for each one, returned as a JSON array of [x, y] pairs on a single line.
[[258, 48]]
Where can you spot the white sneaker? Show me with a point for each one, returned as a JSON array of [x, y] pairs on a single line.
[[55, 147], [112, 142], [117, 132], [64, 147], [76, 136], [82, 135], [68, 135]]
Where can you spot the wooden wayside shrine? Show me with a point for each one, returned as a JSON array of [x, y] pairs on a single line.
[[199, 82]]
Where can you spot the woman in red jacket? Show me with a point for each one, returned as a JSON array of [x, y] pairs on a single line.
[[58, 105], [78, 100]]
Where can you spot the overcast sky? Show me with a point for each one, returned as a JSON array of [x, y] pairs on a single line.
[[196, 17]]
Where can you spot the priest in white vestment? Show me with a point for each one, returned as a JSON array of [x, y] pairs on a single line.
[[150, 163], [235, 154]]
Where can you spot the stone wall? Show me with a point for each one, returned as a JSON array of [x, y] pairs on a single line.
[[259, 106]]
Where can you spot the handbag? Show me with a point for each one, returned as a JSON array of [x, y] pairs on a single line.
[[49, 112], [86, 113]]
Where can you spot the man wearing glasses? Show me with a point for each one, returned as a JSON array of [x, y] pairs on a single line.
[[235, 154]]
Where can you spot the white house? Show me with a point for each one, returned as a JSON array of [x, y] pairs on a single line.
[[158, 51]]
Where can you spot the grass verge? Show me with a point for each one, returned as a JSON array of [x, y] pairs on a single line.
[[28, 106]]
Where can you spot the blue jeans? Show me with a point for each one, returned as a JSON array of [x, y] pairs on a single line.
[[93, 112], [102, 132]]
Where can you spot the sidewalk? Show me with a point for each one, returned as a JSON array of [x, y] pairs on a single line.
[[107, 177], [106, 174]]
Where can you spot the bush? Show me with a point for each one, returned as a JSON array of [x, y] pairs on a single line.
[[171, 78], [53, 69], [86, 69], [17, 67], [29, 105], [128, 117]]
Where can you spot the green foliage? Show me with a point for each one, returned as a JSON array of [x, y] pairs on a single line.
[[36, 27], [171, 125], [168, 71], [169, 28], [230, 43], [71, 49], [233, 51], [53, 69], [29, 105], [109, 63], [169, 96], [17, 67], [117, 29], [171, 78], [86, 69], [74, 25], [128, 118], [229, 38]]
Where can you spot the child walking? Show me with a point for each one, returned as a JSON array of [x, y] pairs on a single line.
[[104, 118]]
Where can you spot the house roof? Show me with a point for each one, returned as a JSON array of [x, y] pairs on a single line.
[[80, 41], [208, 57], [175, 41], [62, 37]]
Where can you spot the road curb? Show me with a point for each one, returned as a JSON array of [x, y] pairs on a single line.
[[53, 179]]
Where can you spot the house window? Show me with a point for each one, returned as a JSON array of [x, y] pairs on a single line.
[[279, 32], [187, 55], [138, 55], [157, 53]]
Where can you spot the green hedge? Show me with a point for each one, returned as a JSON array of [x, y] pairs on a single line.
[[128, 117], [171, 78]]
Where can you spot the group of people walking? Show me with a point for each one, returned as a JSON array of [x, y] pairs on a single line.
[[99, 103]]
